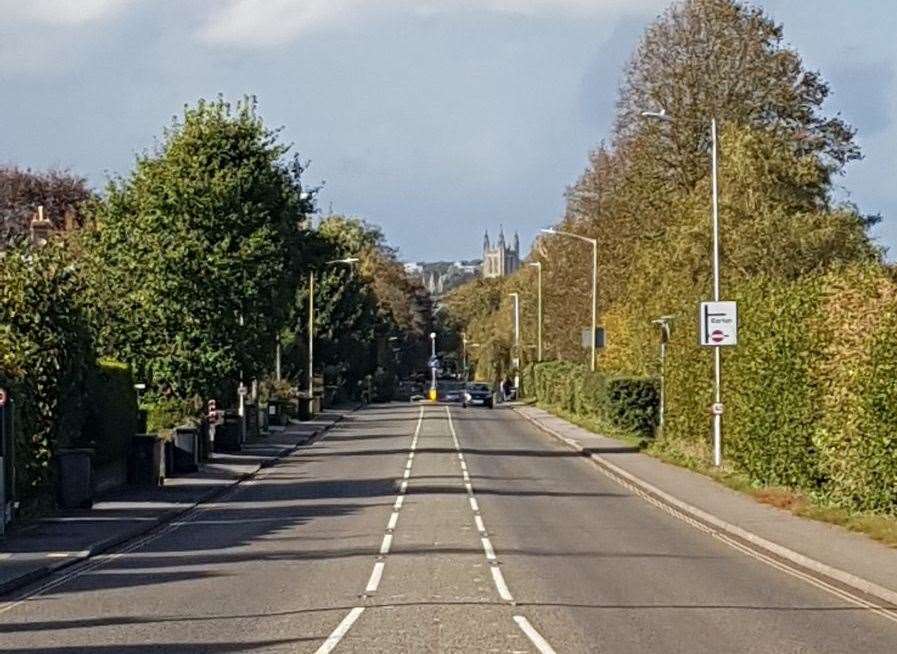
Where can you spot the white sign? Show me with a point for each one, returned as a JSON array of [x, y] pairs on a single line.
[[718, 324]]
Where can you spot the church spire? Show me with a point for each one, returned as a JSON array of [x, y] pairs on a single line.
[[486, 245], [501, 236], [516, 243]]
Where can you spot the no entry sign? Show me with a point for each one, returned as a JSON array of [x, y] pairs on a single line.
[[718, 324]]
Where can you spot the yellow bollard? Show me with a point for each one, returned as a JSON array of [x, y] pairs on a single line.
[[433, 394]]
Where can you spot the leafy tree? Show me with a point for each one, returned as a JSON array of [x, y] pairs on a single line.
[[726, 59], [193, 258]]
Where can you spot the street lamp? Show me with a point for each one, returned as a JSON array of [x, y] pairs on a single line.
[[538, 266], [516, 361], [663, 324], [433, 394], [311, 327], [717, 355], [594, 243]]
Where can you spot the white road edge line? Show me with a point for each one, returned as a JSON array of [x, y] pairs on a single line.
[[376, 575], [386, 544], [341, 630], [393, 519], [500, 585], [487, 547], [535, 637], [473, 503]]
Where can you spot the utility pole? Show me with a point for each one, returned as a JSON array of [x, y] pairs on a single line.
[[311, 341], [433, 394], [663, 323], [717, 354], [311, 330], [516, 362], [538, 266]]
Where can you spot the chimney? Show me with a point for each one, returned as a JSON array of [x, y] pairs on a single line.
[[41, 228]]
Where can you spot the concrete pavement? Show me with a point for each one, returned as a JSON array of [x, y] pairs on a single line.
[[435, 529]]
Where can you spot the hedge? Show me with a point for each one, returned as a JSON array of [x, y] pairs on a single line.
[[45, 340], [111, 412], [627, 403], [810, 391]]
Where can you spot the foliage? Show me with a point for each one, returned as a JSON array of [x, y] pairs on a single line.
[[626, 403], [194, 257], [369, 315], [46, 354], [726, 59], [164, 414], [809, 391]]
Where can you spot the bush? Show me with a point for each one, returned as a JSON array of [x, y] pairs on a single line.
[[632, 403], [164, 414], [627, 403]]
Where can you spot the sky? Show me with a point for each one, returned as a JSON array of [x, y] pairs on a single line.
[[435, 119]]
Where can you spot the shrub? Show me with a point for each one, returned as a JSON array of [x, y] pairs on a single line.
[[164, 414], [628, 403], [632, 403]]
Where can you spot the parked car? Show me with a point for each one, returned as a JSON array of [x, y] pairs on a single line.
[[477, 394]]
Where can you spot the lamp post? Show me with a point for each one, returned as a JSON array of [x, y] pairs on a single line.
[[663, 324], [311, 328], [538, 266], [594, 243], [433, 394], [717, 358], [516, 362]]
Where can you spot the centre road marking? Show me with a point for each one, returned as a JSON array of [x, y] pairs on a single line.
[[380, 564], [497, 577]]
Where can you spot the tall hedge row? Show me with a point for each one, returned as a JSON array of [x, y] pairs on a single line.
[[810, 390], [46, 355]]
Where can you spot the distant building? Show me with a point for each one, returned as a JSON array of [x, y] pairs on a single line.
[[440, 277], [501, 260]]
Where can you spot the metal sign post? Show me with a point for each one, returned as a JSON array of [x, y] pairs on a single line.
[[718, 327]]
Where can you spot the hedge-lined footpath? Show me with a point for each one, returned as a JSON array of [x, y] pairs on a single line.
[[810, 390], [629, 404]]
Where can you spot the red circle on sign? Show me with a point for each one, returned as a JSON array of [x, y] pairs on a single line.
[[2, 397], [717, 336]]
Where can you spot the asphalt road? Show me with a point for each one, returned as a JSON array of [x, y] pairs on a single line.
[[410, 529]]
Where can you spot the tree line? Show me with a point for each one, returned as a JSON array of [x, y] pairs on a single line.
[[190, 270], [802, 411]]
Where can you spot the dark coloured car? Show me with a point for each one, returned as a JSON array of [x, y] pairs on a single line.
[[451, 391], [478, 395]]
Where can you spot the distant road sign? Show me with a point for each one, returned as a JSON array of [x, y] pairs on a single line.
[[2, 397], [718, 324]]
